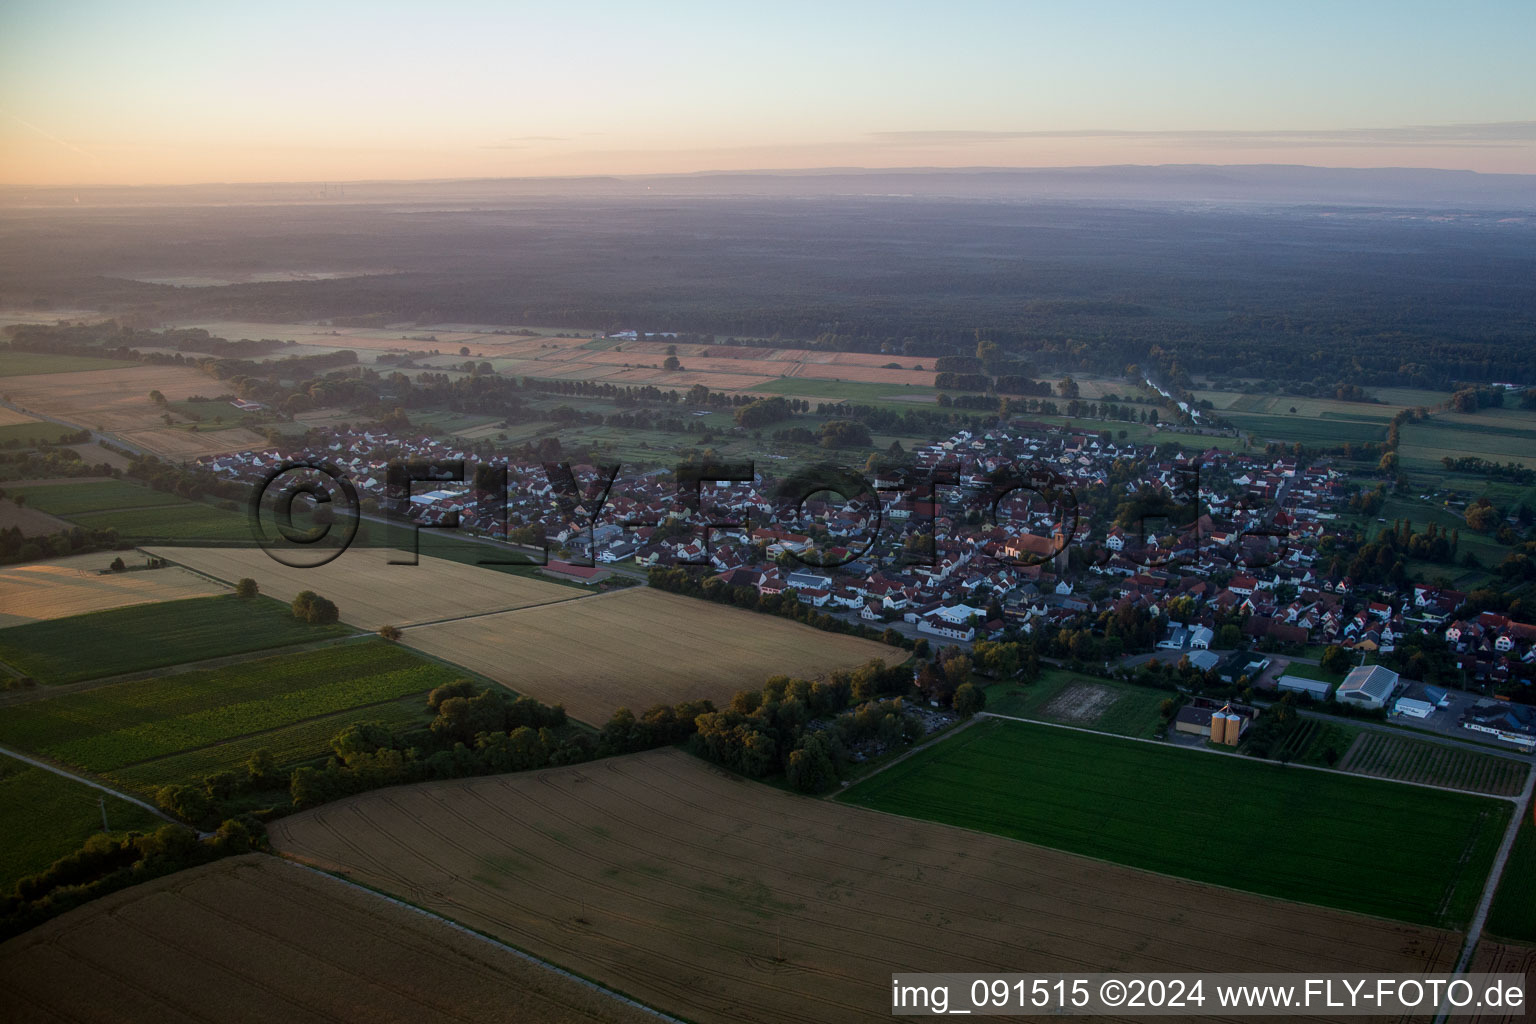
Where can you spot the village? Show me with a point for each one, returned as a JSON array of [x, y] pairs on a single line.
[[997, 535]]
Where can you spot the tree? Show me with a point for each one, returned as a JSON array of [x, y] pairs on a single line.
[[261, 768], [118, 565], [391, 633], [246, 588], [1482, 516], [464, 350], [1230, 636], [969, 699], [1334, 659], [811, 768], [672, 363], [310, 607]]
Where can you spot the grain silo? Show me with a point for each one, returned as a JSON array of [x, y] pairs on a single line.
[[1219, 726], [1234, 728]]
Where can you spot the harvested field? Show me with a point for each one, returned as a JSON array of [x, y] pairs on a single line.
[[69, 586], [380, 339], [118, 401], [187, 445], [253, 938], [30, 521], [1397, 757], [94, 455], [723, 900], [1503, 958], [638, 648], [10, 417], [369, 592]]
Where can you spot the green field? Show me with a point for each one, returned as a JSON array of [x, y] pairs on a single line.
[[1320, 431], [128, 732], [1507, 438], [1285, 832], [853, 391], [185, 523], [145, 636], [39, 432], [213, 415], [139, 513], [1071, 699], [1513, 914], [95, 496], [44, 816], [289, 745], [23, 364]]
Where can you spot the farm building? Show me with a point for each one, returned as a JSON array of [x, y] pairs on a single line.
[[1220, 723], [1369, 686], [1318, 688], [1200, 638], [1421, 700]]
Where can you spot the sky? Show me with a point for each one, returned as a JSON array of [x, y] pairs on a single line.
[[172, 92]]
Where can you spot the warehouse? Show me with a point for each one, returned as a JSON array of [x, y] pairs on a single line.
[[1316, 688], [1369, 686]]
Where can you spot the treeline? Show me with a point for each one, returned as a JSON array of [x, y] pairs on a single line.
[[46, 462], [1512, 472], [68, 437], [105, 864], [475, 732], [77, 540]]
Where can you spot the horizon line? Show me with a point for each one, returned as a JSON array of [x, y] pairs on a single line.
[[769, 172]]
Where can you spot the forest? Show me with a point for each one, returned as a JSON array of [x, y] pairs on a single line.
[[1313, 295]]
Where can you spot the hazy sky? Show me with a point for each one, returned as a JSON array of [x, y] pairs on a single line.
[[94, 92]]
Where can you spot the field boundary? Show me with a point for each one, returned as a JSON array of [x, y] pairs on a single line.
[[303, 865]]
